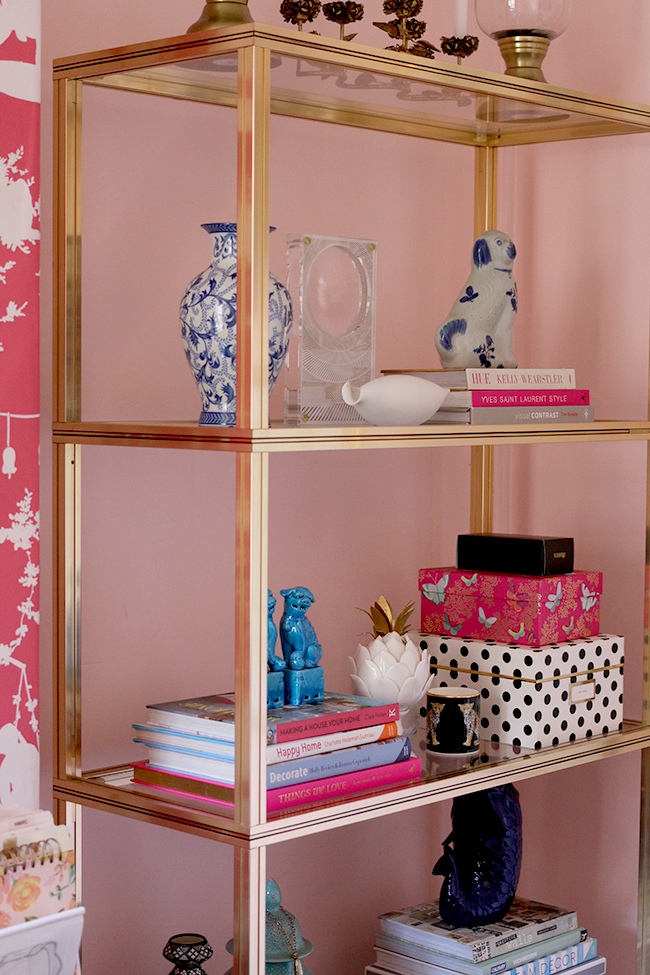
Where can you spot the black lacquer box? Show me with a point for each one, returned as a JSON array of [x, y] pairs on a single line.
[[527, 555]]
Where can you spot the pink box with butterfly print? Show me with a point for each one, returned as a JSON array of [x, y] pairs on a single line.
[[530, 610]]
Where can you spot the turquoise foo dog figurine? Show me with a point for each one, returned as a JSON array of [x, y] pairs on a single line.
[[276, 665], [304, 681], [300, 646]]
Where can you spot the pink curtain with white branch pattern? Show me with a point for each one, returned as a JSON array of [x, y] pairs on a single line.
[[19, 399]]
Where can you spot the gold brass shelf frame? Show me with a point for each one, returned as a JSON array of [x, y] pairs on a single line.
[[303, 76]]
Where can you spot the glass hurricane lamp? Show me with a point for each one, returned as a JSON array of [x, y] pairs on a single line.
[[222, 13], [523, 30]]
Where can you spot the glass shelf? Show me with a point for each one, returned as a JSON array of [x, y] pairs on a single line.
[[442, 778], [285, 438], [323, 78]]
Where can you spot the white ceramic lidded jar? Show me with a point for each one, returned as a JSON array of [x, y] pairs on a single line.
[[209, 328]]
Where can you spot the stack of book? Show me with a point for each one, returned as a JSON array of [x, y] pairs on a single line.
[[341, 746], [532, 939], [502, 396]]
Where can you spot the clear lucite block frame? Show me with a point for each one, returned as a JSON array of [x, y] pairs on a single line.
[[332, 286]]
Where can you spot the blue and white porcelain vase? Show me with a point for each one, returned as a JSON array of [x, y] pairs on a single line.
[[209, 328]]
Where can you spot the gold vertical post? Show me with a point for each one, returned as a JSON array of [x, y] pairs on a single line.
[[481, 495], [643, 921], [73, 820], [252, 411], [67, 608], [254, 113], [67, 251], [67, 457], [250, 911], [482, 458], [485, 189], [646, 594], [251, 637]]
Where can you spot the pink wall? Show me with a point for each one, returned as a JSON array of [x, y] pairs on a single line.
[[158, 537]]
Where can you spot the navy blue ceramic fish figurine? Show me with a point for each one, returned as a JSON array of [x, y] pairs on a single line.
[[481, 869]]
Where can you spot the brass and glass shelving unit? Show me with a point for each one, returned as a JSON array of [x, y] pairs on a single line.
[[258, 71]]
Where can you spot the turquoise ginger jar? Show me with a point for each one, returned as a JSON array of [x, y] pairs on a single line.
[[285, 945], [209, 328]]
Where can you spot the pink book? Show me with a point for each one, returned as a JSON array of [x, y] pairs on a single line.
[[343, 785], [321, 790], [464, 399]]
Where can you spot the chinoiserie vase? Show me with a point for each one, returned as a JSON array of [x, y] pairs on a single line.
[[209, 328]]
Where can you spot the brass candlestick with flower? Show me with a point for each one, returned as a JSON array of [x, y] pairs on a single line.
[[405, 28], [343, 12], [459, 47], [299, 11]]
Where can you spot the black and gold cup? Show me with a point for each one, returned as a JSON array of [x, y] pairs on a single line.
[[453, 720]]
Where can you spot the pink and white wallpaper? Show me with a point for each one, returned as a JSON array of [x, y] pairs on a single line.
[[19, 399]]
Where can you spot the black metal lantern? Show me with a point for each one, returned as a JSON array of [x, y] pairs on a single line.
[[188, 952]]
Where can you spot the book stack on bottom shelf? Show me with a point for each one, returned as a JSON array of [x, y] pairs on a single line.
[[341, 746], [532, 939]]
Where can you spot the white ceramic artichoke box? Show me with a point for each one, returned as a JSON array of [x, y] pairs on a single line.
[[535, 697]]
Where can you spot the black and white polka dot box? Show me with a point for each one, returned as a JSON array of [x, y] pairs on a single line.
[[536, 697]]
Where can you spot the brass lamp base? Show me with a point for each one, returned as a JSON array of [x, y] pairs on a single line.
[[222, 13], [523, 54]]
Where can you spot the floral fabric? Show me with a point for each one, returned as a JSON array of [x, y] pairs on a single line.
[[37, 888], [19, 399]]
